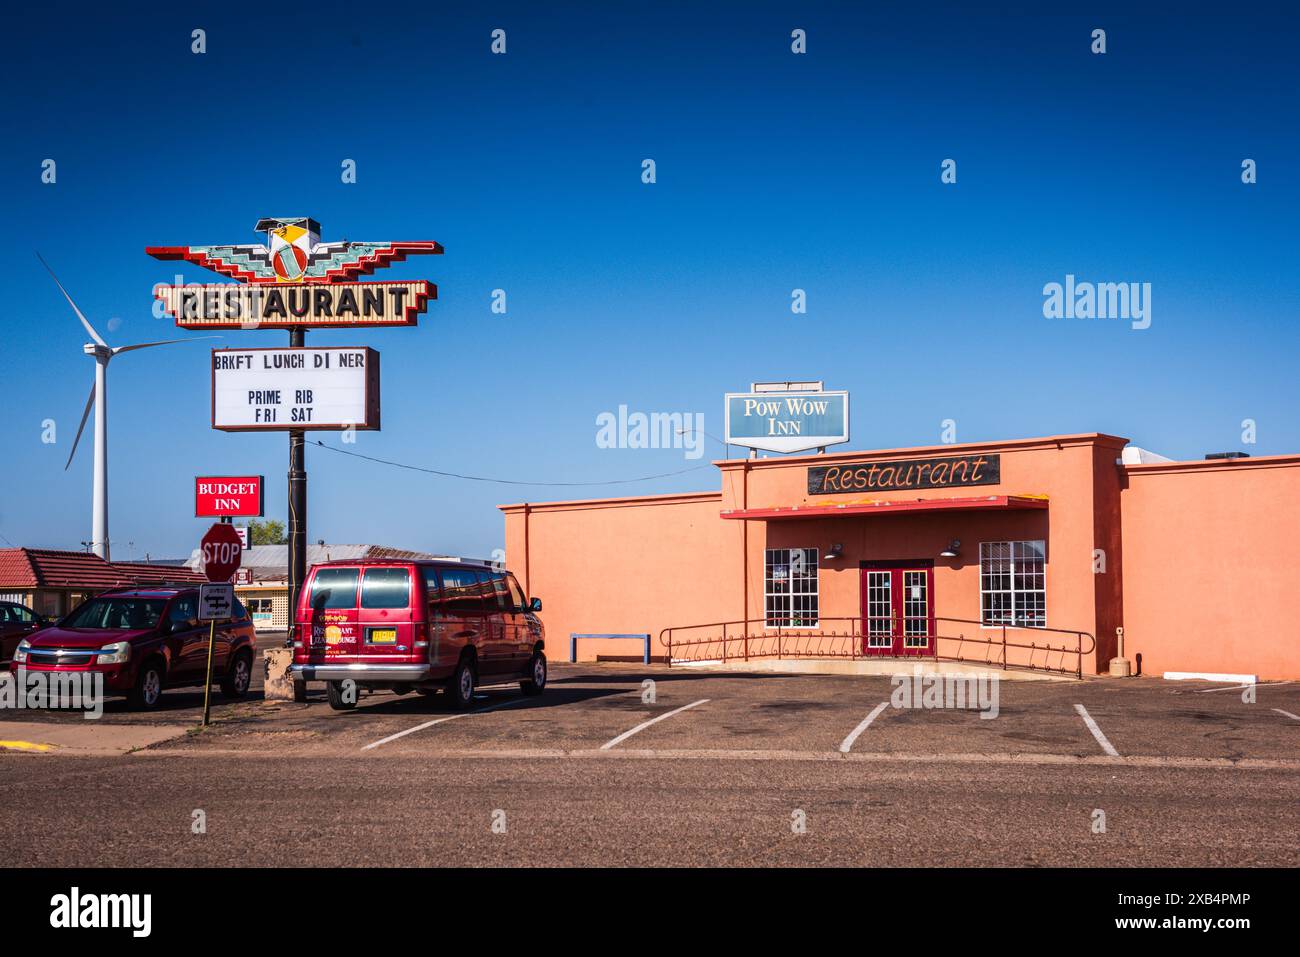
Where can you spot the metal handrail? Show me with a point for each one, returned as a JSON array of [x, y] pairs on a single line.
[[811, 641]]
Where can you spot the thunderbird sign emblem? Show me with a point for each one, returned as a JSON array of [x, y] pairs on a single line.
[[293, 252]]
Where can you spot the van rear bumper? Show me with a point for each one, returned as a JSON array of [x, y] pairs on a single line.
[[360, 672]]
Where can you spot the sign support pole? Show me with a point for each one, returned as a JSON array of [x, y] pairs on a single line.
[[297, 507], [207, 687]]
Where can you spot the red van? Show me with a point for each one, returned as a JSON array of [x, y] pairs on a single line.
[[415, 625]]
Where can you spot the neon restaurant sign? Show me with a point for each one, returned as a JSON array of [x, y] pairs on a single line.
[[957, 471], [295, 280]]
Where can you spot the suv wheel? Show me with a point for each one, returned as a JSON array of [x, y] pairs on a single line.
[[235, 684], [536, 680], [338, 700], [148, 686], [461, 688]]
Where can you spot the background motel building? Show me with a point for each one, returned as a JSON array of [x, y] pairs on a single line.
[[52, 582], [791, 557]]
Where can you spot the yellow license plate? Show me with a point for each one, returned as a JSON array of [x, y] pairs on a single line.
[[383, 636]]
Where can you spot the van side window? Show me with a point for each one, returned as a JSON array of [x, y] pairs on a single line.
[[516, 593], [501, 591], [386, 588], [432, 585], [460, 585], [486, 596], [334, 588]]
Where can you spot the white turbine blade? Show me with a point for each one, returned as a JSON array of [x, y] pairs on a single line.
[[84, 321], [90, 402], [164, 342]]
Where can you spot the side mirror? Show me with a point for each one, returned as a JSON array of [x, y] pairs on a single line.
[[535, 605]]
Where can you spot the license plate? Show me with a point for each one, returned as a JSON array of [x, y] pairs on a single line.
[[383, 636]]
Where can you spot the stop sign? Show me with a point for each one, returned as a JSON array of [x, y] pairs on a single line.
[[222, 550]]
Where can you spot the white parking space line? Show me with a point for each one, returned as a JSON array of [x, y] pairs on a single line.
[[1261, 684], [450, 717], [1096, 731], [645, 724], [847, 744], [1293, 717]]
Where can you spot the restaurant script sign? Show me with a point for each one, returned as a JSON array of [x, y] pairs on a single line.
[[954, 471]]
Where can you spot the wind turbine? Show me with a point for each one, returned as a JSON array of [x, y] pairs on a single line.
[[102, 352]]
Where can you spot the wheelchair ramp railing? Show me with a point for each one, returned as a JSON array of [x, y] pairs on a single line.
[[1000, 645]]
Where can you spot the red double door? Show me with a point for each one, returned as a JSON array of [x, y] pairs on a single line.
[[898, 608]]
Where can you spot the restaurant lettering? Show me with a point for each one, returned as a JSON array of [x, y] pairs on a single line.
[[222, 306], [899, 476]]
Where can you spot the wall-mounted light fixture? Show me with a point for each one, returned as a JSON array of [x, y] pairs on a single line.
[[953, 550], [836, 551]]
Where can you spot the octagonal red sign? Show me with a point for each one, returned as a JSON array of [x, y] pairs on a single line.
[[222, 552]]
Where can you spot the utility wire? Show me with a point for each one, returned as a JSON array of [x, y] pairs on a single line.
[[498, 481]]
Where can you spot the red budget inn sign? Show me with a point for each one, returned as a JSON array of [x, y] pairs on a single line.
[[228, 496]]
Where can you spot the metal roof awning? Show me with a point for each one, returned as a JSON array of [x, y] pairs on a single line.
[[981, 502]]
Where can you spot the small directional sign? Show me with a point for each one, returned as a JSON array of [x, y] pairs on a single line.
[[216, 601]]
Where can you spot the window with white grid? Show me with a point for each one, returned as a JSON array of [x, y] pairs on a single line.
[[790, 587], [1013, 578]]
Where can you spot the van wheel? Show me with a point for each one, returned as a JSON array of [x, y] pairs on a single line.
[[461, 688], [235, 684], [148, 687], [300, 691], [334, 693], [536, 680]]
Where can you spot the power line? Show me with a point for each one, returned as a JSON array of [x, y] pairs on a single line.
[[498, 481]]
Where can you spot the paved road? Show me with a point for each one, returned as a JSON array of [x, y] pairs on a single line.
[[717, 770]]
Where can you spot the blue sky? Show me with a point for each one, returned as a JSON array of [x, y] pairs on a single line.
[[775, 172]]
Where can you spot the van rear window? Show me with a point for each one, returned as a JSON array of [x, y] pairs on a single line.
[[386, 588], [334, 588]]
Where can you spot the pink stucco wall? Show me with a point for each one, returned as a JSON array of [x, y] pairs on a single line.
[[1212, 571]]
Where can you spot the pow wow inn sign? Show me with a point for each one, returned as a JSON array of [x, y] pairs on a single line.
[[294, 279], [787, 421]]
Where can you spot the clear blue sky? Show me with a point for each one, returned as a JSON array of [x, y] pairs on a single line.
[[775, 172]]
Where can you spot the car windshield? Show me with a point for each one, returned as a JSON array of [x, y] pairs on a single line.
[[125, 614]]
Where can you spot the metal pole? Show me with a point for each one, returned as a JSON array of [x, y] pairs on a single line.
[[207, 686], [297, 508]]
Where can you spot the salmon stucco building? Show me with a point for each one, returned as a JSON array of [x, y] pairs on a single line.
[[1031, 553]]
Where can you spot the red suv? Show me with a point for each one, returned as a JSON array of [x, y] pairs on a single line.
[[16, 623], [144, 640], [415, 625]]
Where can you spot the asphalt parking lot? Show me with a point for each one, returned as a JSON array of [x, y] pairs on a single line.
[[631, 764]]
